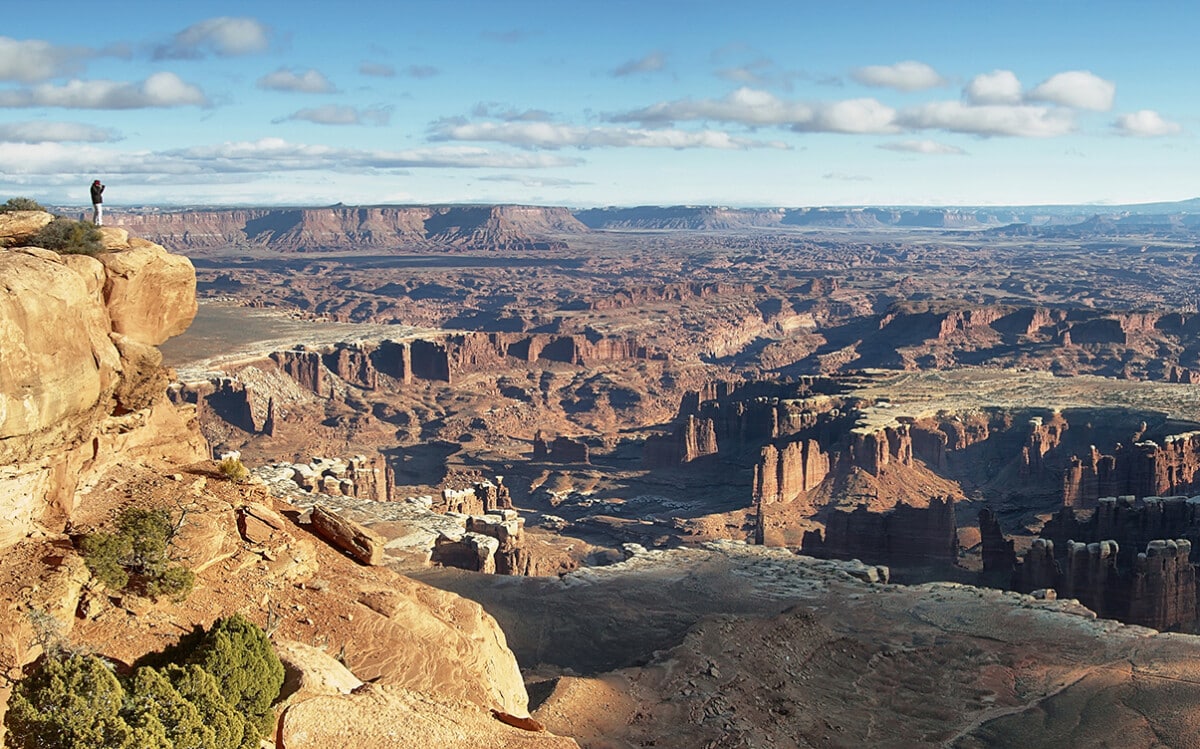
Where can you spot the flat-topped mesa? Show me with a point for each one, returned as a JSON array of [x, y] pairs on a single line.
[[82, 386], [904, 536], [506, 227]]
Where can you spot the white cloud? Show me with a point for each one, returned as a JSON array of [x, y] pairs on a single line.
[[333, 114], [530, 134], [930, 147], [846, 177], [996, 87], [909, 75], [1016, 120], [223, 36], [55, 132], [59, 163], [753, 107], [307, 81], [1079, 89], [159, 90], [1146, 123], [276, 154], [33, 60], [651, 63]]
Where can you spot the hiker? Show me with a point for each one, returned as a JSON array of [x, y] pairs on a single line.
[[97, 203]]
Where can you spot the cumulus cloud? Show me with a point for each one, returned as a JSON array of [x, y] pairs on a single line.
[[1016, 120], [1079, 89], [33, 60], [377, 69], [762, 72], [752, 107], [55, 132], [223, 37], [552, 136], [996, 87], [1146, 123], [930, 147], [495, 111], [299, 81], [651, 63], [333, 114], [909, 75], [159, 90]]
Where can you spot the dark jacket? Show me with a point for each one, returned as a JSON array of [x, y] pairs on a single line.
[[97, 193]]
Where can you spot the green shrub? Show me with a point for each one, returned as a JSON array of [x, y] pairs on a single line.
[[71, 702], [69, 237], [241, 658], [234, 470], [175, 582], [221, 700], [104, 554], [21, 204], [199, 687], [138, 555]]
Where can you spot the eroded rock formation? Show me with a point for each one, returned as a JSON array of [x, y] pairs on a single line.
[[81, 386], [904, 536]]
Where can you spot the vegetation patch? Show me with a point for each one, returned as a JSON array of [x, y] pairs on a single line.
[[212, 692], [137, 556], [21, 204], [69, 237]]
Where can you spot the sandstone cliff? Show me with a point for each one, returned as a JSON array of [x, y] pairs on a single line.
[[81, 384]]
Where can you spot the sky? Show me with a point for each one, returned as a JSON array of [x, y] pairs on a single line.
[[601, 102]]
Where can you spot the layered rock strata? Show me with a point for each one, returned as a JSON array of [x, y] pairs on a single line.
[[81, 384]]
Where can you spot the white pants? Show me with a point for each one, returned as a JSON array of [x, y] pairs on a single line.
[[98, 214]]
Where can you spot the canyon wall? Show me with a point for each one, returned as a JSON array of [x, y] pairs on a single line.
[[905, 536], [81, 383], [507, 227]]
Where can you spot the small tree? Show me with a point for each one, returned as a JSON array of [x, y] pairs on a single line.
[[69, 237], [68, 703], [140, 547], [241, 658]]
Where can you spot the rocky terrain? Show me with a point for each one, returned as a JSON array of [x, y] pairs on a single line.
[[671, 477]]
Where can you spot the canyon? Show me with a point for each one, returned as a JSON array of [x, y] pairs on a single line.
[[639, 474]]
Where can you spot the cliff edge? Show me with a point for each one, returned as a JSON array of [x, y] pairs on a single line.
[[81, 383]]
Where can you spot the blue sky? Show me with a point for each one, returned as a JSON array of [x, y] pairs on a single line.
[[601, 103]]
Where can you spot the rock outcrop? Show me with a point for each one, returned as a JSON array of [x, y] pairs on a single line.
[[81, 386]]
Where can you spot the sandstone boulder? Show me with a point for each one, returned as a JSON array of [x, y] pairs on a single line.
[[311, 672], [150, 293], [16, 227], [360, 542]]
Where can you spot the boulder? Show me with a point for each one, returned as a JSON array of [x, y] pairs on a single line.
[[353, 538], [150, 293], [16, 227]]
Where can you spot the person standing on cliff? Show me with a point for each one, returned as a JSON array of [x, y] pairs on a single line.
[[97, 203]]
